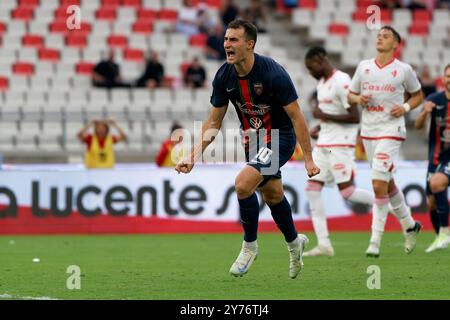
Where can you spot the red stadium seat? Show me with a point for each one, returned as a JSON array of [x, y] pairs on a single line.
[[106, 13], [76, 40], [307, 4], [361, 15], [339, 29], [23, 68], [4, 83], [168, 14], [147, 14], [66, 3], [52, 55], [3, 27], [198, 40], [418, 30], [25, 13], [209, 3], [61, 14], [132, 3], [145, 27], [117, 41], [84, 68], [110, 3], [422, 17], [133, 54], [363, 4], [31, 40], [85, 29], [58, 26], [28, 3]]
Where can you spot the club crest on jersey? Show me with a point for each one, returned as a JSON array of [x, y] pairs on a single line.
[[256, 122], [394, 73], [366, 71], [258, 87]]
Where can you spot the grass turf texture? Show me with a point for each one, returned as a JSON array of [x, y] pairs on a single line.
[[196, 267]]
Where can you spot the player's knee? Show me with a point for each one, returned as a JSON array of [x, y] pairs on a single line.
[[242, 189], [273, 197], [347, 191], [437, 185]]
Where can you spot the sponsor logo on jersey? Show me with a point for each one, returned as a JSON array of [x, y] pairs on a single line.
[[253, 109], [339, 166], [375, 108], [378, 88]]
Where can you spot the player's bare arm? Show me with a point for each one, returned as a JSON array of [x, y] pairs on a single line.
[[302, 134], [414, 101], [210, 129], [358, 99], [423, 116], [352, 115]]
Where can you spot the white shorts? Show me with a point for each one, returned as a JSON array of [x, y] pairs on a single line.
[[336, 164], [382, 155]]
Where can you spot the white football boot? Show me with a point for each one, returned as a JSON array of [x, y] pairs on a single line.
[[373, 251], [320, 250], [295, 255], [244, 260], [433, 245], [411, 237]]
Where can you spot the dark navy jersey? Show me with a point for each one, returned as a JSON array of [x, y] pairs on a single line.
[[439, 137], [259, 97]]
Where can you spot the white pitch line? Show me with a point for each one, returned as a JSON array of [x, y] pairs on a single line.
[[10, 296]]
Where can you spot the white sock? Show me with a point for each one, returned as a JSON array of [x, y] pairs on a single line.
[[379, 217], [357, 195], [251, 245], [318, 215], [401, 210], [444, 230]]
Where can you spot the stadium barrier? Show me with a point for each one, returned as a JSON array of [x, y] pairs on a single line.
[[59, 199]]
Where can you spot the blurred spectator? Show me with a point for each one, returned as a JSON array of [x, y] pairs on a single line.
[[171, 150], [290, 3], [195, 75], [391, 4], [153, 74], [188, 19], [256, 12], [106, 73], [443, 4], [205, 22], [214, 45], [100, 144], [229, 12], [427, 81], [417, 5]]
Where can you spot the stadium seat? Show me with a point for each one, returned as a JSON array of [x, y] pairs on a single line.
[[76, 40], [84, 68], [198, 40], [143, 27], [307, 4], [133, 54], [106, 13], [4, 83], [31, 40], [168, 14], [23, 13], [338, 29], [3, 28], [49, 54], [422, 17], [418, 30], [117, 41], [23, 68]]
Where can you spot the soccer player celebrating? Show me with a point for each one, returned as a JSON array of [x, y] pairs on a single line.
[[334, 152], [265, 100], [379, 85], [438, 106]]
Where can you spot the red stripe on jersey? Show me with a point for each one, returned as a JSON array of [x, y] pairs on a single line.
[[437, 144], [335, 145], [384, 137]]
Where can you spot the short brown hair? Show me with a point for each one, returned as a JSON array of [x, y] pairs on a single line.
[[394, 32], [250, 30]]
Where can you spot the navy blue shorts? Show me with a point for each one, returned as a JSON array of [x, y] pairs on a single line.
[[443, 167], [269, 159]]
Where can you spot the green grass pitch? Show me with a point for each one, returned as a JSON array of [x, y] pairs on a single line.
[[196, 267]]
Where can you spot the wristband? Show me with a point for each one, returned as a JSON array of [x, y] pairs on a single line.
[[407, 107]]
